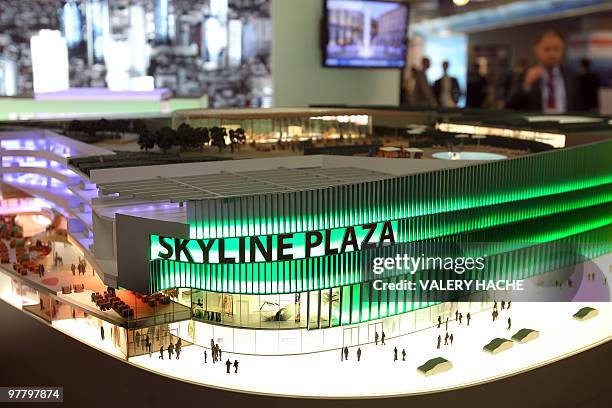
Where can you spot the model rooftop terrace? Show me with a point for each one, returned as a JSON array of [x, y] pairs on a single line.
[[235, 184]]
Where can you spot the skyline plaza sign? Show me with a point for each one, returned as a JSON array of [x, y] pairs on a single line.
[[271, 248]]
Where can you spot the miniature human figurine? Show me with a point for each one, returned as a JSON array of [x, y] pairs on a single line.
[[170, 350], [161, 352], [359, 354], [228, 364], [235, 366]]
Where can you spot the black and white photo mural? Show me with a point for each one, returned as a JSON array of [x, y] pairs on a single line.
[[219, 49]]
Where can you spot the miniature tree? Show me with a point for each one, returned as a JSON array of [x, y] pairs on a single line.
[[241, 135], [104, 125], [165, 138], [139, 126], [146, 139], [185, 136], [75, 126], [217, 135], [202, 137]]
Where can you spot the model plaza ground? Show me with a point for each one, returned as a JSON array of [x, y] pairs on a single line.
[[377, 374], [324, 375]]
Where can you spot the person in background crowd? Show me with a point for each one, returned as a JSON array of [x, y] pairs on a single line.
[[476, 94], [446, 89], [511, 80], [547, 87], [589, 83], [422, 94]]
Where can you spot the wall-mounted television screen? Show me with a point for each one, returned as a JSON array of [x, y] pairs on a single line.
[[365, 33]]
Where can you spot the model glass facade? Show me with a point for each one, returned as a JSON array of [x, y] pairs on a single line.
[[522, 213]]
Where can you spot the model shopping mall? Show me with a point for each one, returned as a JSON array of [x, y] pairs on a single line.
[[275, 255]]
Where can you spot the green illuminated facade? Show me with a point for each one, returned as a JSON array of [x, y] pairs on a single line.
[[521, 214]]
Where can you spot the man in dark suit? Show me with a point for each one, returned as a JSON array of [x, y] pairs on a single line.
[[446, 89], [547, 87]]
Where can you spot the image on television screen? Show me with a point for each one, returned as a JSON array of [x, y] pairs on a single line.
[[366, 33]]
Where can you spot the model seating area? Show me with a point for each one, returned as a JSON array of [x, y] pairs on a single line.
[[23, 267], [24, 254], [154, 299], [42, 250], [109, 300], [76, 288], [4, 254]]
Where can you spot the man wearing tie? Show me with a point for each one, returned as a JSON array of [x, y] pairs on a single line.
[[547, 87]]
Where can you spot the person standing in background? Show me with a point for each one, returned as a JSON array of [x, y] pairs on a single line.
[[446, 89], [422, 95], [589, 84], [476, 93], [547, 87]]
